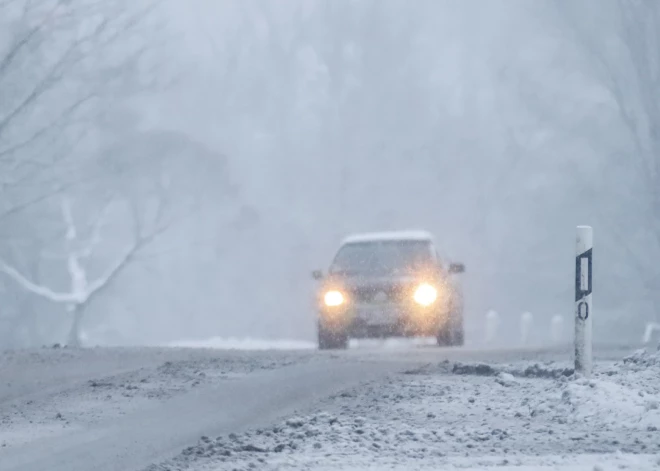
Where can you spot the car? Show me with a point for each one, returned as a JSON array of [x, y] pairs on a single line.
[[389, 284]]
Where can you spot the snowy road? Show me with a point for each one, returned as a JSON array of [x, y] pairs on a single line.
[[125, 409]]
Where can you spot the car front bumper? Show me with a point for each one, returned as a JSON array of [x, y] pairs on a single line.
[[390, 320]]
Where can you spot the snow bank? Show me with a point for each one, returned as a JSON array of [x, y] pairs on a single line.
[[524, 370], [602, 402], [642, 359], [625, 395], [328, 442]]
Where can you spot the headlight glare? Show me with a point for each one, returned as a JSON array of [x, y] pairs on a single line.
[[333, 298], [425, 294]]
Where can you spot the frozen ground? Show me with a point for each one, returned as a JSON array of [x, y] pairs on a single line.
[[233, 343], [462, 415], [288, 406], [52, 391], [113, 409], [264, 344]]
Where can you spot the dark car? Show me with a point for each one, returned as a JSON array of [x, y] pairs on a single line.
[[389, 285]]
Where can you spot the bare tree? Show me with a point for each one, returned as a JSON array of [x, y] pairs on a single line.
[[80, 247], [620, 54], [155, 183], [59, 63]]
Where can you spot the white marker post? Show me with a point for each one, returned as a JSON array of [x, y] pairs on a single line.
[[492, 323], [583, 310], [557, 328], [648, 332]]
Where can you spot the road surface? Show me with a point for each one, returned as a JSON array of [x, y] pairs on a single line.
[[108, 409]]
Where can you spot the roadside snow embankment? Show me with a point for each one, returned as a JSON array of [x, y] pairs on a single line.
[[624, 394], [463, 416]]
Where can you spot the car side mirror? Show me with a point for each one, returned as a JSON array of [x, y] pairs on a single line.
[[456, 268], [317, 274]]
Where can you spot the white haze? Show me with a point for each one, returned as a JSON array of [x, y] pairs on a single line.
[[271, 129]]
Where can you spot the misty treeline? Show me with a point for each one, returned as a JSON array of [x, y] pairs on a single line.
[[176, 169]]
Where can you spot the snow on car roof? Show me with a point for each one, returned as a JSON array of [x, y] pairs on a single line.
[[388, 236]]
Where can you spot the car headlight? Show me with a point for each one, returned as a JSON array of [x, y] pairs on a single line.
[[333, 298], [425, 294]]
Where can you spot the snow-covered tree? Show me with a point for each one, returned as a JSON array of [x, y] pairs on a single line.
[[78, 251], [63, 64]]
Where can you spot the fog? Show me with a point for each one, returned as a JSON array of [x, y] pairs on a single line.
[[176, 170]]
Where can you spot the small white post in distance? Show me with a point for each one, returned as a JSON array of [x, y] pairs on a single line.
[[557, 328], [492, 324], [583, 300], [651, 327]]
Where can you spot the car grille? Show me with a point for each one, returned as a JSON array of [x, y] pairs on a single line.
[[375, 294]]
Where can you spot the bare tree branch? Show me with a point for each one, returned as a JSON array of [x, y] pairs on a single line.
[[62, 56], [96, 286], [57, 189], [68, 112], [17, 48], [625, 60], [42, 86], [95, 237], [91, 44], [37, 289]]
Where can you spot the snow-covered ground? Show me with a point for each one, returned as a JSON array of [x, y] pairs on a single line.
[[53, 391], [472, 416], [233, 343], [391, 404], [245, 343]]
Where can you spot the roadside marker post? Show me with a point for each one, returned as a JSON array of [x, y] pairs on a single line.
[[492, 324], [648, 332], [556, 328], [583, 300]]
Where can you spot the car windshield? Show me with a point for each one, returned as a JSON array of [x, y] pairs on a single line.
[[381, 257]]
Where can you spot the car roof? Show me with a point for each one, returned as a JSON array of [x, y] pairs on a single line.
[[419, 235]]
